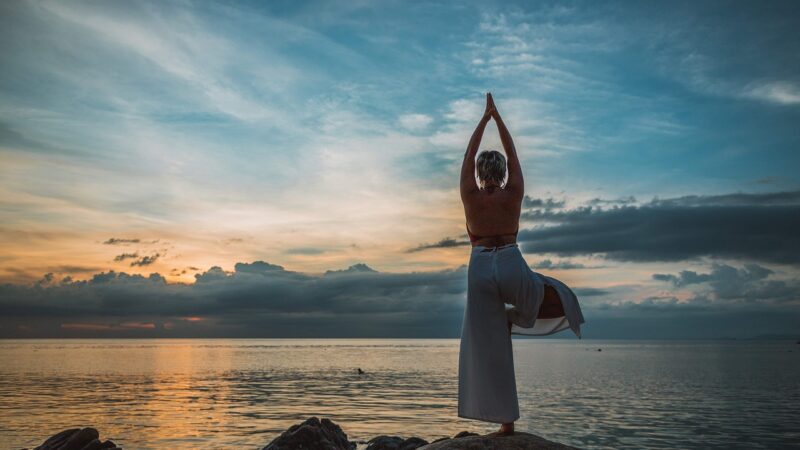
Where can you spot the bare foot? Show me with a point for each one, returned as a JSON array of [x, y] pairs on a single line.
[[507, 428]]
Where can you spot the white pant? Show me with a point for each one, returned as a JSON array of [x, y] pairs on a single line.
[[487, 387]]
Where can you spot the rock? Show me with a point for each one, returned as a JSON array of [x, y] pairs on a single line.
[[313, 434], [465, 434], [493, 441], [316, 434], [76, 439], [395, 443]]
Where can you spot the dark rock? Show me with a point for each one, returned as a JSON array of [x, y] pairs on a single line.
[[395, 443], [57, 439], [76, 439], [494, 441], [313, 434], [316, 434], [93, 445], [465, 434], [80, 439]]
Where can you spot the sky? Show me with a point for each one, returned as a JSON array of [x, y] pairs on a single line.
[[290, 169]]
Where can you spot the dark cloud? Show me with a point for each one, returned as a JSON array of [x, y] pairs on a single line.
[[305, 251], [532, 208], [560, 265], [354, 269], [146, 260], [259, 299], [121, 241], [683, 278], [444, 243], [746, 284], [791, 198], [124, 256], [257, 267], [759, 227], [256, 299], [546, 204], [620, 201], [589, 292], [178, 271]]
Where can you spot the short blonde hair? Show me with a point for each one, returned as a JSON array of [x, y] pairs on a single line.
[[491, 166]]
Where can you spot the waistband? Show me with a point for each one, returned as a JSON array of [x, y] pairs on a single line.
[[481, 248]]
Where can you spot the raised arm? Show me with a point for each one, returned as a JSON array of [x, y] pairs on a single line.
[[515, 181], [468, 184]]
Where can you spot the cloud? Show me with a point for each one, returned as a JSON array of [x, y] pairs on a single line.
[[546, 204], [121, 241], [733, 199], [145, 260], [759, 227], [260, 299], [619, 201], [683, 278], [360, 268], [256, 299], [124, 256], [753, 226], [533, 208], [560, 265], [590, 292], [778, 92], [444, 243], [259, 267], [183, 50], [305, 251], [747, 284], [415, 122]]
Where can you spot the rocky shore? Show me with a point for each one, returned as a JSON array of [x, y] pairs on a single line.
[[323, 434]]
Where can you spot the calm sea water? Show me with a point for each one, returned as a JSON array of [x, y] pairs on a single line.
[[239, 394]]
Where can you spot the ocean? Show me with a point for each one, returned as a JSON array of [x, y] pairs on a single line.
[[241, 393]]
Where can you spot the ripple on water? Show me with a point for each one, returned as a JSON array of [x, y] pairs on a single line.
[[194, 394]]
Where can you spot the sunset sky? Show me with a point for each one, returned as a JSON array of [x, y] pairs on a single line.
[[291, 168]]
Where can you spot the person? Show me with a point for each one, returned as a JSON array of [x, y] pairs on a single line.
[[498, 274]]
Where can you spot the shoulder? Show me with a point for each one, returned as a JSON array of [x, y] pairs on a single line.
[[469, 193]]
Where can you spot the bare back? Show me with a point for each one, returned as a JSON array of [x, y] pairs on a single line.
[[493, 215]]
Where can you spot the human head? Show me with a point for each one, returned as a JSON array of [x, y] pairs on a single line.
[[491, 166]]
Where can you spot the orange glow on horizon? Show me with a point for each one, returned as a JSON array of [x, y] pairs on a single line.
[[193, 319]]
